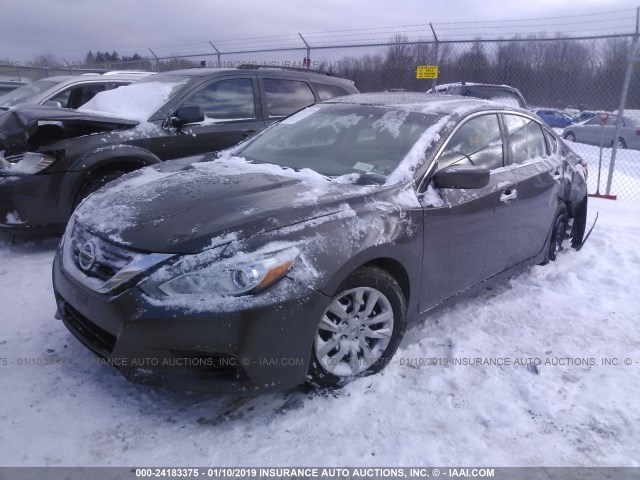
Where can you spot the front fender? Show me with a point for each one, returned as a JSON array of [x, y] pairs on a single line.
[[336, 245], [127, 156]]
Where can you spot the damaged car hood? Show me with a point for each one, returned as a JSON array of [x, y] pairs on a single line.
[[175, 208], [18, 125]]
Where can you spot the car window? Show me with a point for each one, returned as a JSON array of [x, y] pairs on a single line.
[[526, 139], [226, 100], [325, 92], [26, 92], [477, 142], [286, 96], [551, 142], [78, 95], [62, 98]]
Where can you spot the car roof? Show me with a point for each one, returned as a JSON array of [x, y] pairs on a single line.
[[425, 102], [93, 77], [284, 71]]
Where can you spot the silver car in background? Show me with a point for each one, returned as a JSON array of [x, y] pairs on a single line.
[[590, 131], [69, 91]]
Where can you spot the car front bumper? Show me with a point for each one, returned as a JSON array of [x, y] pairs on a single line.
[[261, 347], [32, 202]]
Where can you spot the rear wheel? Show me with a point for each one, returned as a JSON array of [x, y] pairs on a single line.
[[558, 234], [621, 144], [96, 182], [360, 330], [579, 224]]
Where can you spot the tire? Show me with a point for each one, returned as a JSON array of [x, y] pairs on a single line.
[[570, 136], [621, 144], [95, 182], [334, 362], [557, 235], [579, 223]]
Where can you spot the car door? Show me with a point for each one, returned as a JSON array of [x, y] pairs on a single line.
[[232, 113], [589, 132], [467, 236], [283, 96], [538, 175]]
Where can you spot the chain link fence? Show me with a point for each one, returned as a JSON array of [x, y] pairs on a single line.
[[572, 75]]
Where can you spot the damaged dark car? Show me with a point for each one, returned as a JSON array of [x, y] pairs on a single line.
[[52, 158], [302, 254]]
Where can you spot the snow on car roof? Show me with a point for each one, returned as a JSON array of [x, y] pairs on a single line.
[[421, 102]]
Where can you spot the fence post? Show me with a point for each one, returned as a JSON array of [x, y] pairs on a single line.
[[217, 52], [157, 60], [435, 37], [308, 50], [623, 100]]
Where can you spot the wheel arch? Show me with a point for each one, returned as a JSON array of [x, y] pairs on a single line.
[[118, 157], [382, 259]]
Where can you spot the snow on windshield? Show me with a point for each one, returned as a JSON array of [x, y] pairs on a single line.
[[137, 101]]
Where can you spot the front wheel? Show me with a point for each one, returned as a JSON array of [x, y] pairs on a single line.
[[360, 330], [570, 136], [94, 183]]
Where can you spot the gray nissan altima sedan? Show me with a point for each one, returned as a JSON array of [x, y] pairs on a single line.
[[302, 254]]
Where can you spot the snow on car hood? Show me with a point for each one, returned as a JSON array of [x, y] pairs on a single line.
[[178, 208]]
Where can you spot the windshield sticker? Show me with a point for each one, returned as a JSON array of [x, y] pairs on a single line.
[[299, 116], [363, 167]]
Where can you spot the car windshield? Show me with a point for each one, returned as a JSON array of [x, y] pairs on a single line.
[[340, 139], [25, 93], [139, 100]]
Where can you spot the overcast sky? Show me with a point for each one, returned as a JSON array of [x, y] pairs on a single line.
[[69, 28]]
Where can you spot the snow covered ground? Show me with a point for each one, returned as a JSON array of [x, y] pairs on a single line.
[[574, 313]]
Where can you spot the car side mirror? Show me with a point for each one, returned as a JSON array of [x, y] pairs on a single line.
[[52, 103], [186, 115], [462, 176]]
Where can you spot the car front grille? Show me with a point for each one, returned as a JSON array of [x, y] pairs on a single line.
[[109, 257], [95, 338]]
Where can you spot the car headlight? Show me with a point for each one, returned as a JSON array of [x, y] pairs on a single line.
[[28, 162], [241, 275]]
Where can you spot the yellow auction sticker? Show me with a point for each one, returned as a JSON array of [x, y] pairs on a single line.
[[427, 71]]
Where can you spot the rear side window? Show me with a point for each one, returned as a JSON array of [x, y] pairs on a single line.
[[325, 92], [526, 139], [226, 100], [477, 142], [286, 96]]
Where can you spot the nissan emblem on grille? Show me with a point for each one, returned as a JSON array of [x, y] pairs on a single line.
[[87, 256]]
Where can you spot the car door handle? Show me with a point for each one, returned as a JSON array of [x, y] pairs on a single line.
[[507, 195]]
